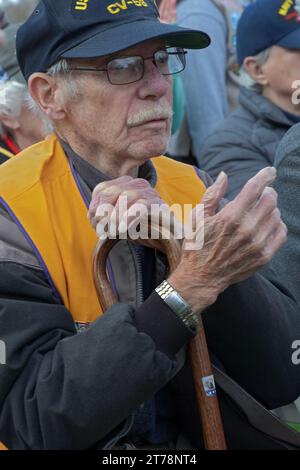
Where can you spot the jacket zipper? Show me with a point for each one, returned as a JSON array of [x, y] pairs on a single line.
[[140, 290], [140, 300]]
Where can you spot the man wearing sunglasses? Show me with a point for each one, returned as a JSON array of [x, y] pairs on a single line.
[[101, 72]]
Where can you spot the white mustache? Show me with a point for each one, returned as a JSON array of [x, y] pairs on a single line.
[[157, 112]]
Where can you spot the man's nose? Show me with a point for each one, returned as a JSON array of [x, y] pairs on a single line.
[[154, 83]]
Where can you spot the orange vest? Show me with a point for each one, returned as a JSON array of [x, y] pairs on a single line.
[[39, 190]]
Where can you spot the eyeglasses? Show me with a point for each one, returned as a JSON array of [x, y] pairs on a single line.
[[125, 70]]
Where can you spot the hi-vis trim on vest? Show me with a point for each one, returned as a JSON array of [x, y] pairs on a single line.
[[6, 153], [287, 4], [82, 6]]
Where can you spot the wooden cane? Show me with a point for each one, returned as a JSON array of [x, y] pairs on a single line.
[[212, 427]]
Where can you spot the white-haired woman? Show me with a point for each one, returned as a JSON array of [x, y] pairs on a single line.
[[20, 124], [18, 10]]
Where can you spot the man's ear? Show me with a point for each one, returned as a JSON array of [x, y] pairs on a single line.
[[255, 70], [46, 92]]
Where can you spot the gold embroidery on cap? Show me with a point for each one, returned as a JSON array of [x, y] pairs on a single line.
[[122, 5], [287, 4], [81, 5]]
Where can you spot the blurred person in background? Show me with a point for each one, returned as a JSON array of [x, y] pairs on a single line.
[[268, 44], [211, 79], [4, 22], [167, 12], [20, 125], [18, 11]]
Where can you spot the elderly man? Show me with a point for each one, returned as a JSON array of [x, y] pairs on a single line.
[[101, 73], [268, 46]]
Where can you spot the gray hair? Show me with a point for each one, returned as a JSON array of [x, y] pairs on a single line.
[[12, 95], [245, 78], [33, 107], [62, 70]]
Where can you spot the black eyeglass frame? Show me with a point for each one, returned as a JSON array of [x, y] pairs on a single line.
[[182, 52]]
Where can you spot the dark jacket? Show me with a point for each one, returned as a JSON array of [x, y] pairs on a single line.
[[246, 141], [62, 390], [287, 185]]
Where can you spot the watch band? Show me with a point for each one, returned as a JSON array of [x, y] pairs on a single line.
[[179, 306]]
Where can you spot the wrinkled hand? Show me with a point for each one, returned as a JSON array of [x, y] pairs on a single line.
[[111, 218], [238, 240], [167, 11]]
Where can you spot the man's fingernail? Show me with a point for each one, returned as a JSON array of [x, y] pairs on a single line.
[[108, 191], [100, 229], [271, 170], [104, 198], [93, 205], [220, 178], [123, 226]]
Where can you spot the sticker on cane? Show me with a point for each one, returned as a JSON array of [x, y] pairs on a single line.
[[209, 386]]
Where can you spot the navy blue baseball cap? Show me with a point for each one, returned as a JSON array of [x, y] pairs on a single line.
[[267, 23], [93, 28]]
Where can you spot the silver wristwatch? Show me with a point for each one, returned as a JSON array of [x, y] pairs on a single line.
[[179, 306]]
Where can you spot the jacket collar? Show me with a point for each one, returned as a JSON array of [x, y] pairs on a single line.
[[91, 176], [263, 108]]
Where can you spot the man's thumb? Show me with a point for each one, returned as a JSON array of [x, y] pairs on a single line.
[[214, 194]]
